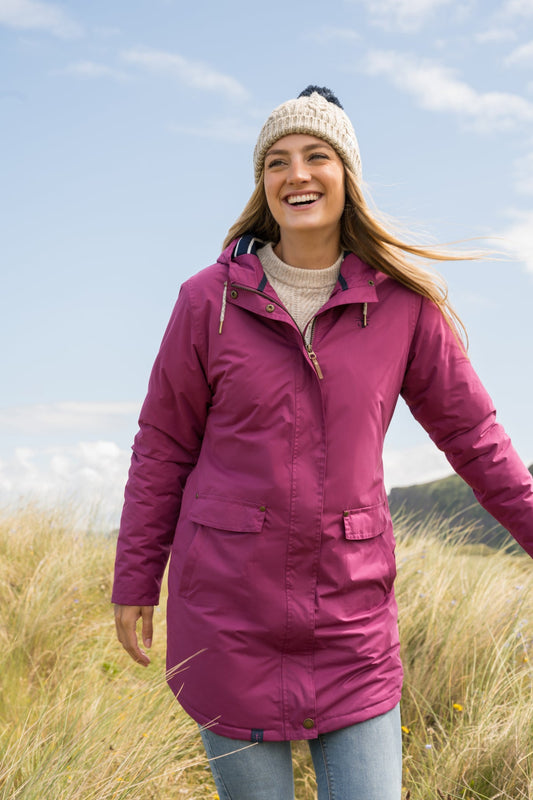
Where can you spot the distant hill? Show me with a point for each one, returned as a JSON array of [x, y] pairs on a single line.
[[450, 498]]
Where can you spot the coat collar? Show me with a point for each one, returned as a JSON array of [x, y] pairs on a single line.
[[356, 283]]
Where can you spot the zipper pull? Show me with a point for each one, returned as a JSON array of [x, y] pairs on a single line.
[[223, 307], [314, 361]]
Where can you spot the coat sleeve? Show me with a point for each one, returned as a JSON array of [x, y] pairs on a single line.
[[165, 450], [446, 396]]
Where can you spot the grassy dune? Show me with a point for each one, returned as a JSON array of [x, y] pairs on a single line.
[[79, 721]]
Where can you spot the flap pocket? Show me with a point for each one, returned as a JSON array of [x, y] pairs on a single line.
[[227, 515], [365, 523]]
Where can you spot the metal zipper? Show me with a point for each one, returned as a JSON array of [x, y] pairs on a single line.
[[309, 347], [311, 353]]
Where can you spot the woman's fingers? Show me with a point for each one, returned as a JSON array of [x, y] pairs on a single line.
[[147, 613], [126, 624]]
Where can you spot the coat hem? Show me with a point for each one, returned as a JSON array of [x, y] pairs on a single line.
[[327, 725]]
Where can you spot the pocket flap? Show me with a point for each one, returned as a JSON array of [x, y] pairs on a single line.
[[365, 523], [227, 515]]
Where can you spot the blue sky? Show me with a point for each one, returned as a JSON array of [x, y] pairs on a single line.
[[127, 130]]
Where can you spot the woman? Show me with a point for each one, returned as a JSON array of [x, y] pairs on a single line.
[[258, 465]]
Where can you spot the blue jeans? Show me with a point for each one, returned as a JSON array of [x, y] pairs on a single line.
[[362, 762]]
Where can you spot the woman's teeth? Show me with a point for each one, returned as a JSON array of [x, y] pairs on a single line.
[[294, 200]]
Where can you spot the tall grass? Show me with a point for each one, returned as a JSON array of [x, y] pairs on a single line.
[[466, 630], [79, 721]]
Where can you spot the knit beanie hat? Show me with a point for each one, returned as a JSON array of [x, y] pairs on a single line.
[[315, 111]]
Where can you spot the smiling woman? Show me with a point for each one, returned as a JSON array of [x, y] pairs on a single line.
[[258, 469]]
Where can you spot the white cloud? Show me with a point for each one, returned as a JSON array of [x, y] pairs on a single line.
[[80, 417], [36, 15], [420, 464], [90, 475], [520, 8], [327, 34], [71, 455], [523, 174], [436, 88], [91, 69], [518, 238], [407, 15], [495, 35], [521, 56], [194, 74]]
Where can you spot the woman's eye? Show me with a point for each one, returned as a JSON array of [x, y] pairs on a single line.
[[276, 162], [318, 156]]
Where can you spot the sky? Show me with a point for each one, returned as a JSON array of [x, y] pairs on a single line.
[[126, 133]]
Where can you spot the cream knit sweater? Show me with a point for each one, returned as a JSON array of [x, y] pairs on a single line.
[[302, 291]]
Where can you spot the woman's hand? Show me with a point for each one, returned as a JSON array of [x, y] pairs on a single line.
[[126, 624]]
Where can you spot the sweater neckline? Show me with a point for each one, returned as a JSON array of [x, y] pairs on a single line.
[[298, 277]]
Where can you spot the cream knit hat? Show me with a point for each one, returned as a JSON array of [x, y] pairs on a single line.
[[315, 111]]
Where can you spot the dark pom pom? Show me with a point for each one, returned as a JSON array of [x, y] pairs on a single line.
[[324, 91]]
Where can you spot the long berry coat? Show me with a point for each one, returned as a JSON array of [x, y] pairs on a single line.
[[258, 468]]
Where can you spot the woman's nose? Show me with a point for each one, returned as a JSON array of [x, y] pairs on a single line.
[[298, 171]]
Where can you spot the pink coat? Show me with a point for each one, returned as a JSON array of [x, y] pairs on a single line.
[[258, 467]]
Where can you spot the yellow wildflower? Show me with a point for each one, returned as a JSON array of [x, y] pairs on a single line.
[[458, 706]]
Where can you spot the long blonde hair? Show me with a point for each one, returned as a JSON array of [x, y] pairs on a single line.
[[363, 234]]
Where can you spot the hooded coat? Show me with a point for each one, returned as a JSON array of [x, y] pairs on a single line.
[[258, 468]]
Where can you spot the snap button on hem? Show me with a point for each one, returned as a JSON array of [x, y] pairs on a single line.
[[308, 723], [270, 307]]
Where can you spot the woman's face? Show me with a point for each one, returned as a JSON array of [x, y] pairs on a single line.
[[304, 184]]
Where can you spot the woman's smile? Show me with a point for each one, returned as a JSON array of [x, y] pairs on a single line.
[[302, 200]]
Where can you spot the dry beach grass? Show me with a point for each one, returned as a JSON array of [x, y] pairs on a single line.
[[79, 721]]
